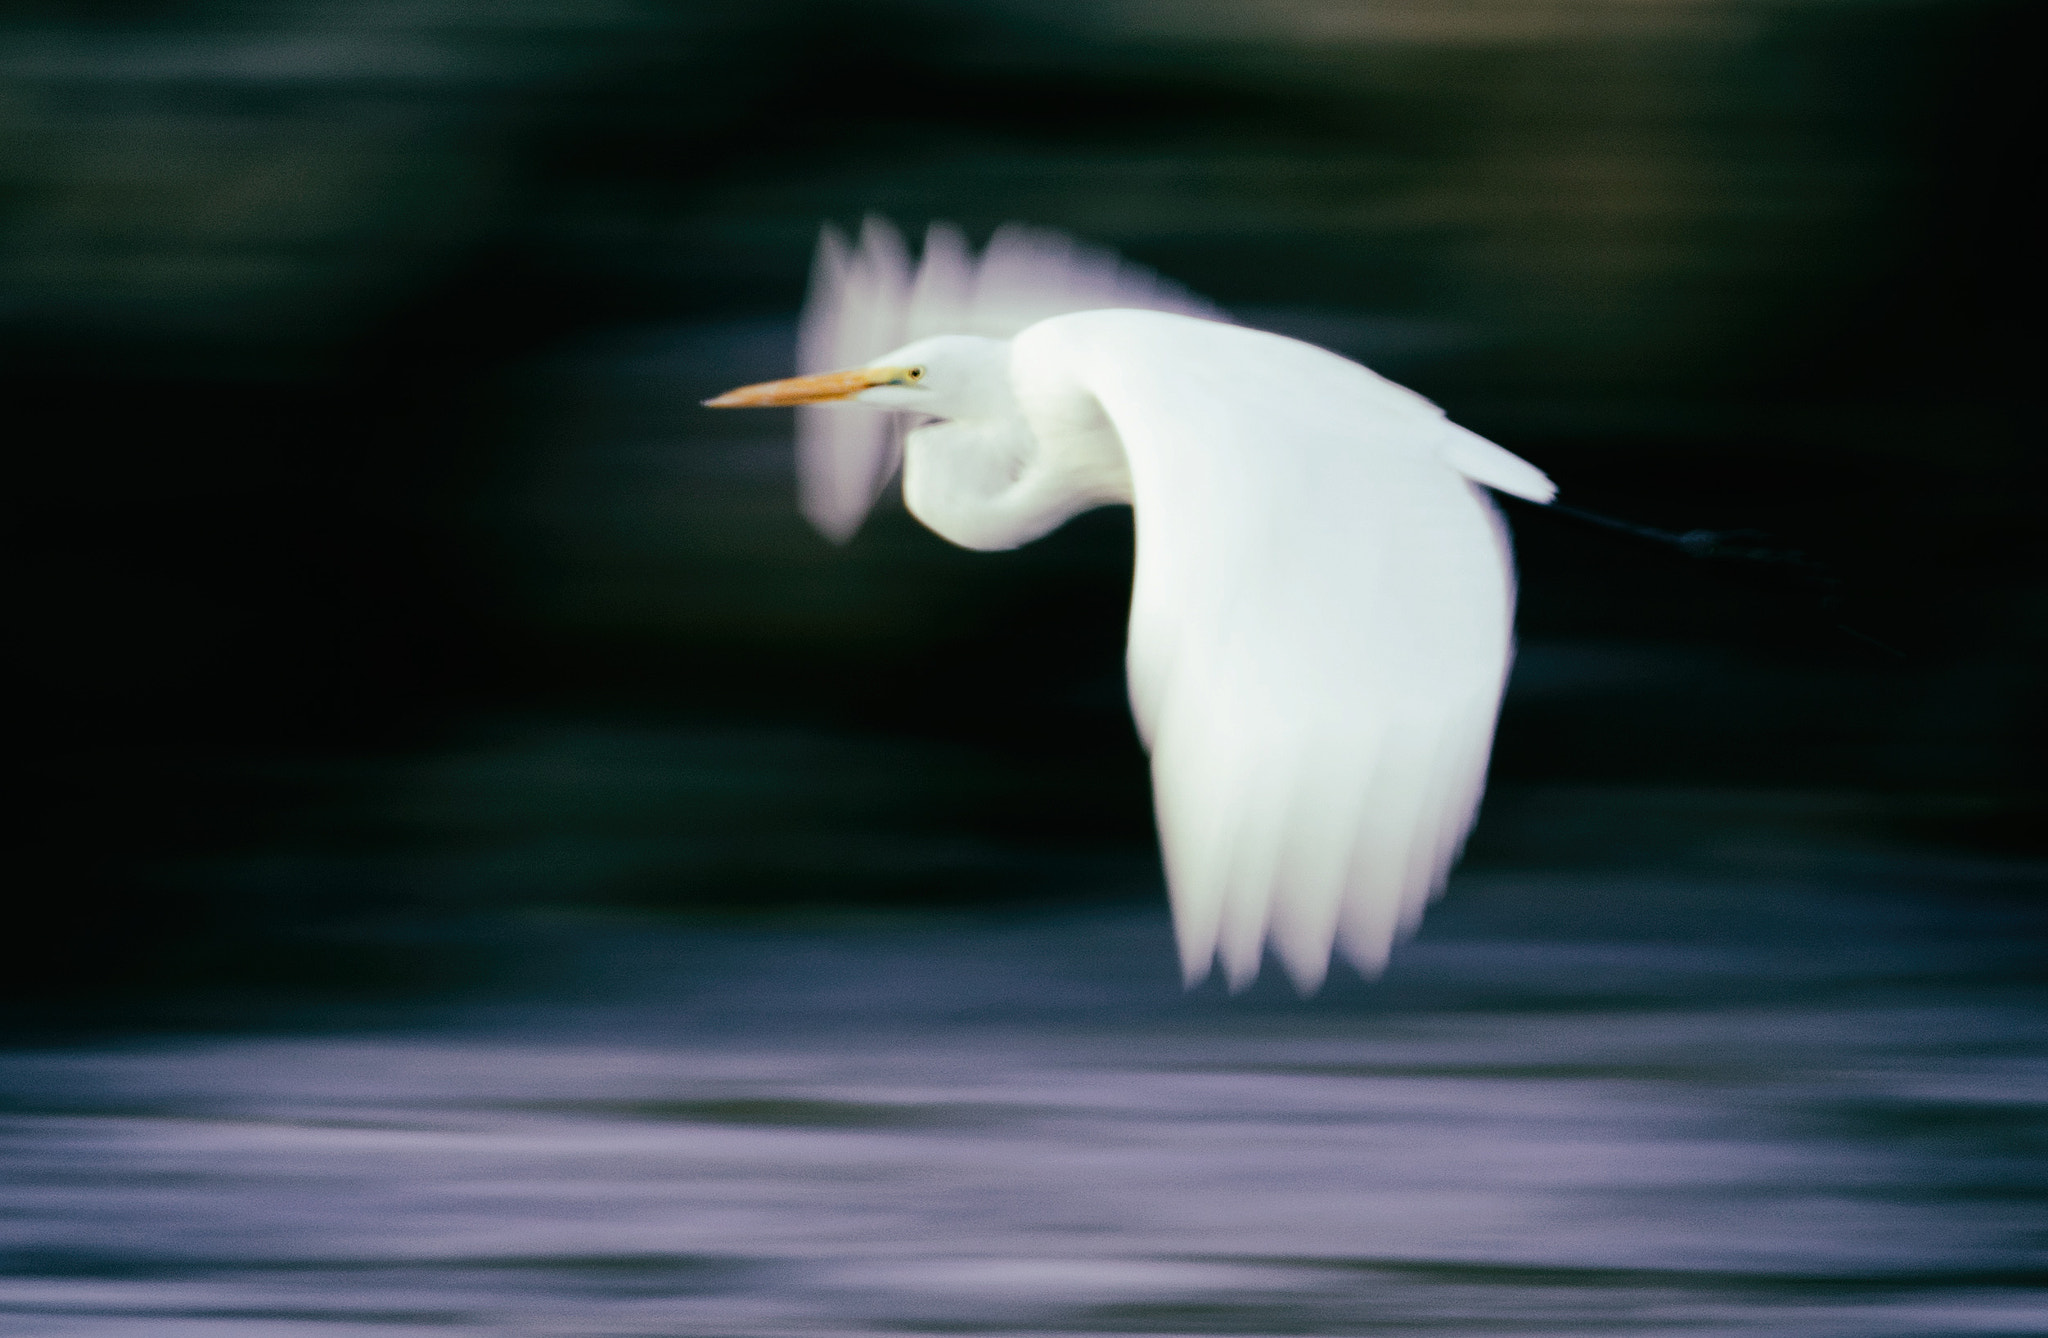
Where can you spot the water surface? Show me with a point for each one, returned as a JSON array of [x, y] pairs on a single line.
[[1827, 1119]]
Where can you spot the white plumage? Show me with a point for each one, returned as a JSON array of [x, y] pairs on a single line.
[[1321, 612], [867, 300]]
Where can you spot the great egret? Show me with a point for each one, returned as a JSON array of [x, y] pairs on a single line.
[[1321, 612]]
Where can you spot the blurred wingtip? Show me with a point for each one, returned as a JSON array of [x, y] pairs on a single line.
[[1369, 956], [1197, 960], [832, 243], [946, 235], [879, 236], [1307, 972], [837, 532]]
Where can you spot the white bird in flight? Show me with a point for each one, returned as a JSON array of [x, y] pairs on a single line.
[[1321, 614]]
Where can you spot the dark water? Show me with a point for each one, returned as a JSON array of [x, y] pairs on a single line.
[[1790, 1102]]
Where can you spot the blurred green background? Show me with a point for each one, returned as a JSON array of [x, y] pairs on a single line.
[[383, 576]]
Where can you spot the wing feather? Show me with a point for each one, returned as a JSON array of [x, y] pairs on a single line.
[[1320, 631], [1483, 462], [867, 299], [856, 308]]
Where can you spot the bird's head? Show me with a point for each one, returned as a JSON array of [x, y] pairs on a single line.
[[947, 376]]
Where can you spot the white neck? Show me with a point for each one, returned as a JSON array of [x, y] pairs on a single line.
[[1002, 480]]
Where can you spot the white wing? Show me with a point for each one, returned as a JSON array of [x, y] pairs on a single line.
[[854, 311], [1320, 630], [866, 300], [1483, 462]]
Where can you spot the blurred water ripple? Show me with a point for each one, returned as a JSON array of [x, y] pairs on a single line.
[[1020, 1125]]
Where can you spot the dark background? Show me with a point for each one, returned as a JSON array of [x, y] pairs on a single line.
[[383, 586]]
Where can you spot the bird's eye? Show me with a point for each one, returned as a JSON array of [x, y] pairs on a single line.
[[914, 374]]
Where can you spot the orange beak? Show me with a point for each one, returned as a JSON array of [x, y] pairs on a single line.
[[820, 389]]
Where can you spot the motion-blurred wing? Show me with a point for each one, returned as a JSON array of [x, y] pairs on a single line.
[[1320, 630], [865, 300], [855, 310]]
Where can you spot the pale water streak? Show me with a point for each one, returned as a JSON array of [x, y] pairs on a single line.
[[1019, 1125]]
